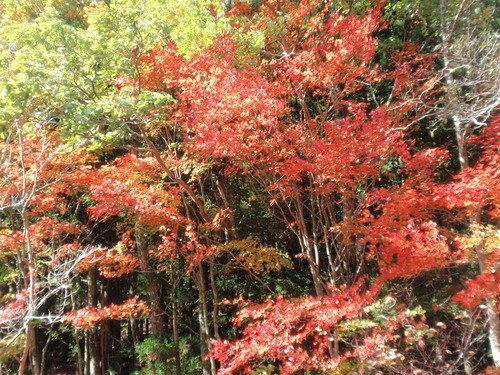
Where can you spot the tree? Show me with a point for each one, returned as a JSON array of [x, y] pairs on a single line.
[[36, 175], [469, 73]]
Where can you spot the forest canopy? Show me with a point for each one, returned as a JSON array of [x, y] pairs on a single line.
[[249, 187]]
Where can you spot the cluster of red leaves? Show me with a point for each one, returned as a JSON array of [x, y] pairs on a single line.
[[9, 241], [483, 243], [405, 238], [411, 250], [299, 333], [37, 178], [241, 114], [219, 105], [45, 232], [340, 155], [414, 79], [16, 308], [402, 233], [484, 286], [234, 114], [186, 243], [88, 317], [315, 49], [40, 171], [132, 186], [474, 190], [64, 251], [114, 262], [477, 188]]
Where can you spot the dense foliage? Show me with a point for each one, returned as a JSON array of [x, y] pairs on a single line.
[[258, 187]]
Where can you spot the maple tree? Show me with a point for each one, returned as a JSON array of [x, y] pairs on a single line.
[[36, 175]]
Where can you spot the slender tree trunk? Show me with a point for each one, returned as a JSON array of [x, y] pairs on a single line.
[[175, 321], [215, 310], [175, 327], [306, 246], [134, 330], [93, 350], [44, 351], [134, 334], [491, 309], [153, 286], [80, 367], [86, 353], [34, 354], [104, 333], [209, 367], [230, 226], [31, 345], [461, 143], [24, 358], [492, 316]]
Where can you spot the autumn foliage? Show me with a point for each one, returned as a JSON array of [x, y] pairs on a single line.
[[274, 194]]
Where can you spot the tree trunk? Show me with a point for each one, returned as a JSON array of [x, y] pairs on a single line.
[[153, 286], [80, 366], [31, 350], [24, 358], [306, 247], [461, 143], [215, 310], [93, 350], [209, 367], [134, 330], [492, 317], [175, 322], [44, 351], [34, 354]]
